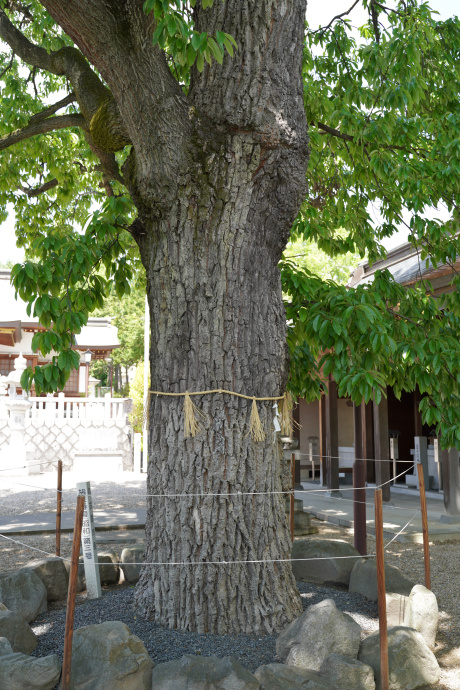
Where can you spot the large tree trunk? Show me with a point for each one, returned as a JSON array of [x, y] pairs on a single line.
[[218, 321], [218, 177]]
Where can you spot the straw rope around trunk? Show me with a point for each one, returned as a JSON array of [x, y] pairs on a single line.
[[192, 413]]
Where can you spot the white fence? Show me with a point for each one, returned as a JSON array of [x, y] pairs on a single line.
[[79, 408]]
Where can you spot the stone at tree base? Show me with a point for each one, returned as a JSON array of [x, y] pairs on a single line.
[[347, 674], [109, 570], [81, 580], [21, 672], [108, 655], [363, 579], [422, 614], [320, 631], [335, 570], [53, 573], [5, 646], [203, 673], [132, 554], [24, 593], [396, 608], [282, 677], [411, 663], [17, 632]]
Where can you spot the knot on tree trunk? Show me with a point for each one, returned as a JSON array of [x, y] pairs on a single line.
[[107, 128]]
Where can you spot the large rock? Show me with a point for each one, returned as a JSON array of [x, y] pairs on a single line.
[[21, 672], [348, 674], [411, 663], [422, 614], [5, 647], [363, 579], [320, 631], [17, 632], [335, 570], [24, 593], [108, 656], [109, 569], [203, 673], [396, 605], [282, 677], [81, 580], [53, 573], [129, 555]]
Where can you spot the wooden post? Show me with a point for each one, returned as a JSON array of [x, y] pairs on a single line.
[[359, 483], [384, 675], [70, 614], [382, 448], [322, 440], [332, 436], [59, 508], [368, 440], [418, 426], [426, 544], [291, 497]]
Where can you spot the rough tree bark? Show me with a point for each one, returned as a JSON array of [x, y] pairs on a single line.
[[218, 177]]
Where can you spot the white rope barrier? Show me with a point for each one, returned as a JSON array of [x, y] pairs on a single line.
[[23, 467], [345, 457], [34, 548], [175, 563], [238, 493], [402, 530]]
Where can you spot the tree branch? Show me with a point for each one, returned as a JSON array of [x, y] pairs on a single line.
[[43, 114], [338, 16], [334, 132], [50, 125], [36, 191], [9, 65], [69, 62], [347, 137], [27, 51]]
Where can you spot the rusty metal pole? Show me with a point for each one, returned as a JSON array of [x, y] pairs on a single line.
[[72, 592], [382, 603], [59, 508]]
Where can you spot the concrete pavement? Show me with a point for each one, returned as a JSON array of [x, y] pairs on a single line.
[[43, 523], [404, 507]]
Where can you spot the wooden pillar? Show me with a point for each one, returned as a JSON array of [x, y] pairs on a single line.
[[322, 439], [382, 448], [296, 434], [417, 416], [368, 439], [332, 436], [451, 482], [359, 481]]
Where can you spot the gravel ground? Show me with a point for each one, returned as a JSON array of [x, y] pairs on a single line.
[[164, 644]]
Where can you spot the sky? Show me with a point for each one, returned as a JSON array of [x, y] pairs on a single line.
[[318, 14]]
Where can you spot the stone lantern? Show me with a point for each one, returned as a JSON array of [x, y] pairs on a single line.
[[18, 454]]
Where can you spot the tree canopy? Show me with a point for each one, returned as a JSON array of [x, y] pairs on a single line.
[[383, 111]]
